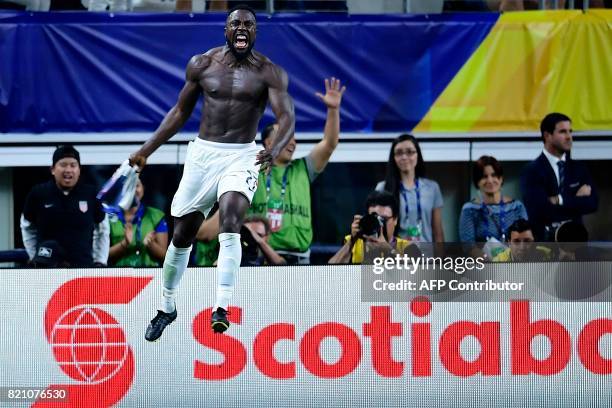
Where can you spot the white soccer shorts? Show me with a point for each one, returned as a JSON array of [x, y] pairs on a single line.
[[212, 169]]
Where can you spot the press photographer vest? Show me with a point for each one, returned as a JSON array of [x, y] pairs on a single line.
[[296, 231], [358, 250]]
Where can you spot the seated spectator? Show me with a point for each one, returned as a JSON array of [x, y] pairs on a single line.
[[420, 200], [283, 194], [555, 187], [571, 231], [486, 218], [261, 253], [374, 236], [521, 245], [572, 237], [66, 211], [139, 236]]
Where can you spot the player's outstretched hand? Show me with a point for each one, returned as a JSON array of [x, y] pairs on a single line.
[[333, 93], [138, 160], [264, 158]]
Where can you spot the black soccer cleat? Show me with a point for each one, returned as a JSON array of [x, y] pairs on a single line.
[[158, 324], [218, 320]]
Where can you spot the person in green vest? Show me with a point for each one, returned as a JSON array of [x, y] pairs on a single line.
[[139, 236], [283, 194], [206, 253]]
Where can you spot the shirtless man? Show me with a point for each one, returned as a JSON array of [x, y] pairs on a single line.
[[223, 162]]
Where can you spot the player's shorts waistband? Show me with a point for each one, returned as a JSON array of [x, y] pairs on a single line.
[[223, 146]]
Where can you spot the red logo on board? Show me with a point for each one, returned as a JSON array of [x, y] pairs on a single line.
[[88, 343]]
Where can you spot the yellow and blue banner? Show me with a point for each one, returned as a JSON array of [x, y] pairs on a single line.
[[532, 63], [470, 72]]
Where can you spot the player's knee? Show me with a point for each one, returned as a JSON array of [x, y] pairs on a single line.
[[230, 223], [180, 239]]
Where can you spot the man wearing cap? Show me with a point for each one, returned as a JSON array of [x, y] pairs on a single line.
[[67, 212]]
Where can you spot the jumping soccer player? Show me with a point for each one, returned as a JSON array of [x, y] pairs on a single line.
[[223, 162]]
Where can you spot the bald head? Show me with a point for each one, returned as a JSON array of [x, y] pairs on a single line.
[[240, 32]]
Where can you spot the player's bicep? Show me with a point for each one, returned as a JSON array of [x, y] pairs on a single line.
[[278, 95], [188, 96]]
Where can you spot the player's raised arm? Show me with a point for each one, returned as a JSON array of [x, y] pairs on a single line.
[[178, 115], [282, 106]]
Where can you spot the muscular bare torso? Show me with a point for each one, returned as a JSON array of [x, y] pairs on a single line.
[[235, 94]]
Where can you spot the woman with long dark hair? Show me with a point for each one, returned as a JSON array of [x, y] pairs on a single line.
[[489, 215], [420, 198]]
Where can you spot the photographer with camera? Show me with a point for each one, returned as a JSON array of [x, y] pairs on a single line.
[[256, 251], [254, 236], [374, 231]]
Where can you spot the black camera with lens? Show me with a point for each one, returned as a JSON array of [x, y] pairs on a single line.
[[370, 224]]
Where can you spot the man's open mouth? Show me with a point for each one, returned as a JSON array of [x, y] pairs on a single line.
[[241, 42]]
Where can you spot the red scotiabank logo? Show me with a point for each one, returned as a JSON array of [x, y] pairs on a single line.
[[88, 343], [91, 347], [381, 330]]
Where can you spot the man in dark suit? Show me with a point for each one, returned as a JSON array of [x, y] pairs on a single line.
[[556, 188]]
